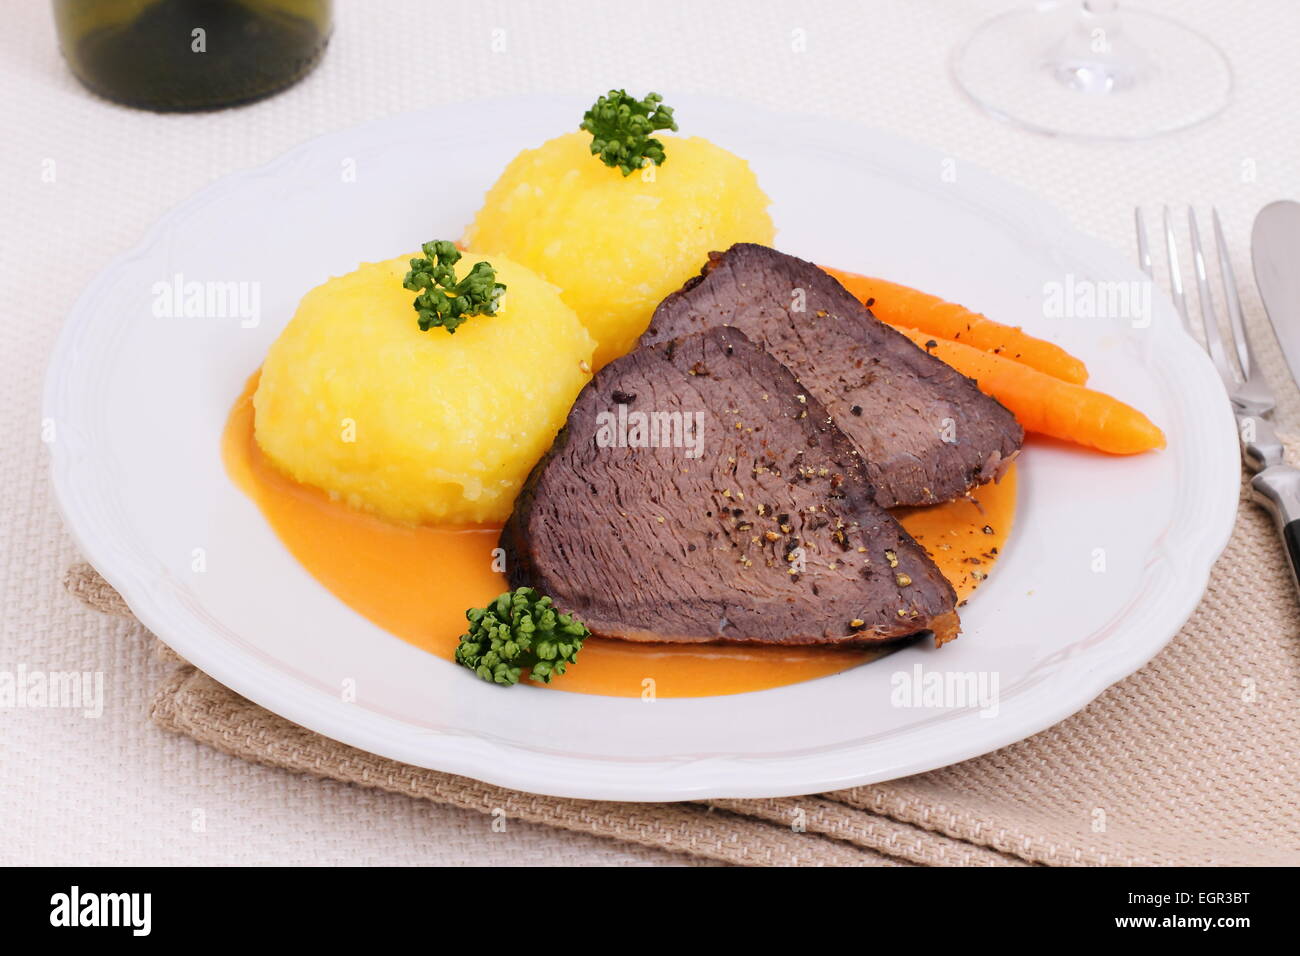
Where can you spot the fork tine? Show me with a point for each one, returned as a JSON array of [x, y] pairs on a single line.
[[1144, 250], [1175, 274], [1209, 318], [1236, 322]]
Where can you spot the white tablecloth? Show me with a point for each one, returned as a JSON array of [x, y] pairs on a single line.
[[117, 790]]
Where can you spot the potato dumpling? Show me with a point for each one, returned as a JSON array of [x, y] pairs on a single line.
[[618, 245], [420, 427]]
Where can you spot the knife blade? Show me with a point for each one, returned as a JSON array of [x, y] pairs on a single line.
[[1275, 253]]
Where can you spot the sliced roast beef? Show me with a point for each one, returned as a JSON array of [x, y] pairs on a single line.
[[926, 433], [698, 493]]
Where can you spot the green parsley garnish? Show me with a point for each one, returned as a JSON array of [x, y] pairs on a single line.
[[519, 629], [442, 300], [620, 126]]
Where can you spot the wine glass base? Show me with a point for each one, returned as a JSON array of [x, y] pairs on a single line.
[[1045, 70]]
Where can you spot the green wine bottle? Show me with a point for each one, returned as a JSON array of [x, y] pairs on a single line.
[[170, 55]]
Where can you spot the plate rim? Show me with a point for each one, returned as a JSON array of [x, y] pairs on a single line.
[[604, 778]]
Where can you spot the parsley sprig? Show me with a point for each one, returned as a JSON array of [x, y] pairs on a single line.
[[520, 629], [443, 301], [620, 126]]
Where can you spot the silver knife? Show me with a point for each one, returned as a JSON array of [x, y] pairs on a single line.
[[1275, 253]]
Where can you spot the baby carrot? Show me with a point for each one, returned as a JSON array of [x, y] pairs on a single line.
[[904, 307], [1047, 405]]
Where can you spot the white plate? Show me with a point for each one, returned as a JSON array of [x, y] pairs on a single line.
[[138, 403]]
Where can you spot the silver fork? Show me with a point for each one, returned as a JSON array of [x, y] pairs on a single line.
[[1275, 485]]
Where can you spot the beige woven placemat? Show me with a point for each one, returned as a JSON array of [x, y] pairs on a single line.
[[1193, 760]]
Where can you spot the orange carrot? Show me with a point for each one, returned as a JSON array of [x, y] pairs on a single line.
[[904, 307], [1048, 405]]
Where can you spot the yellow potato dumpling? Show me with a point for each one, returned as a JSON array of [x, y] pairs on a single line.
[[615, 245], [420, 427]]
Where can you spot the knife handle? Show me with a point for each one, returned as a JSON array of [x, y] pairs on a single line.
[[1277, 488]]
